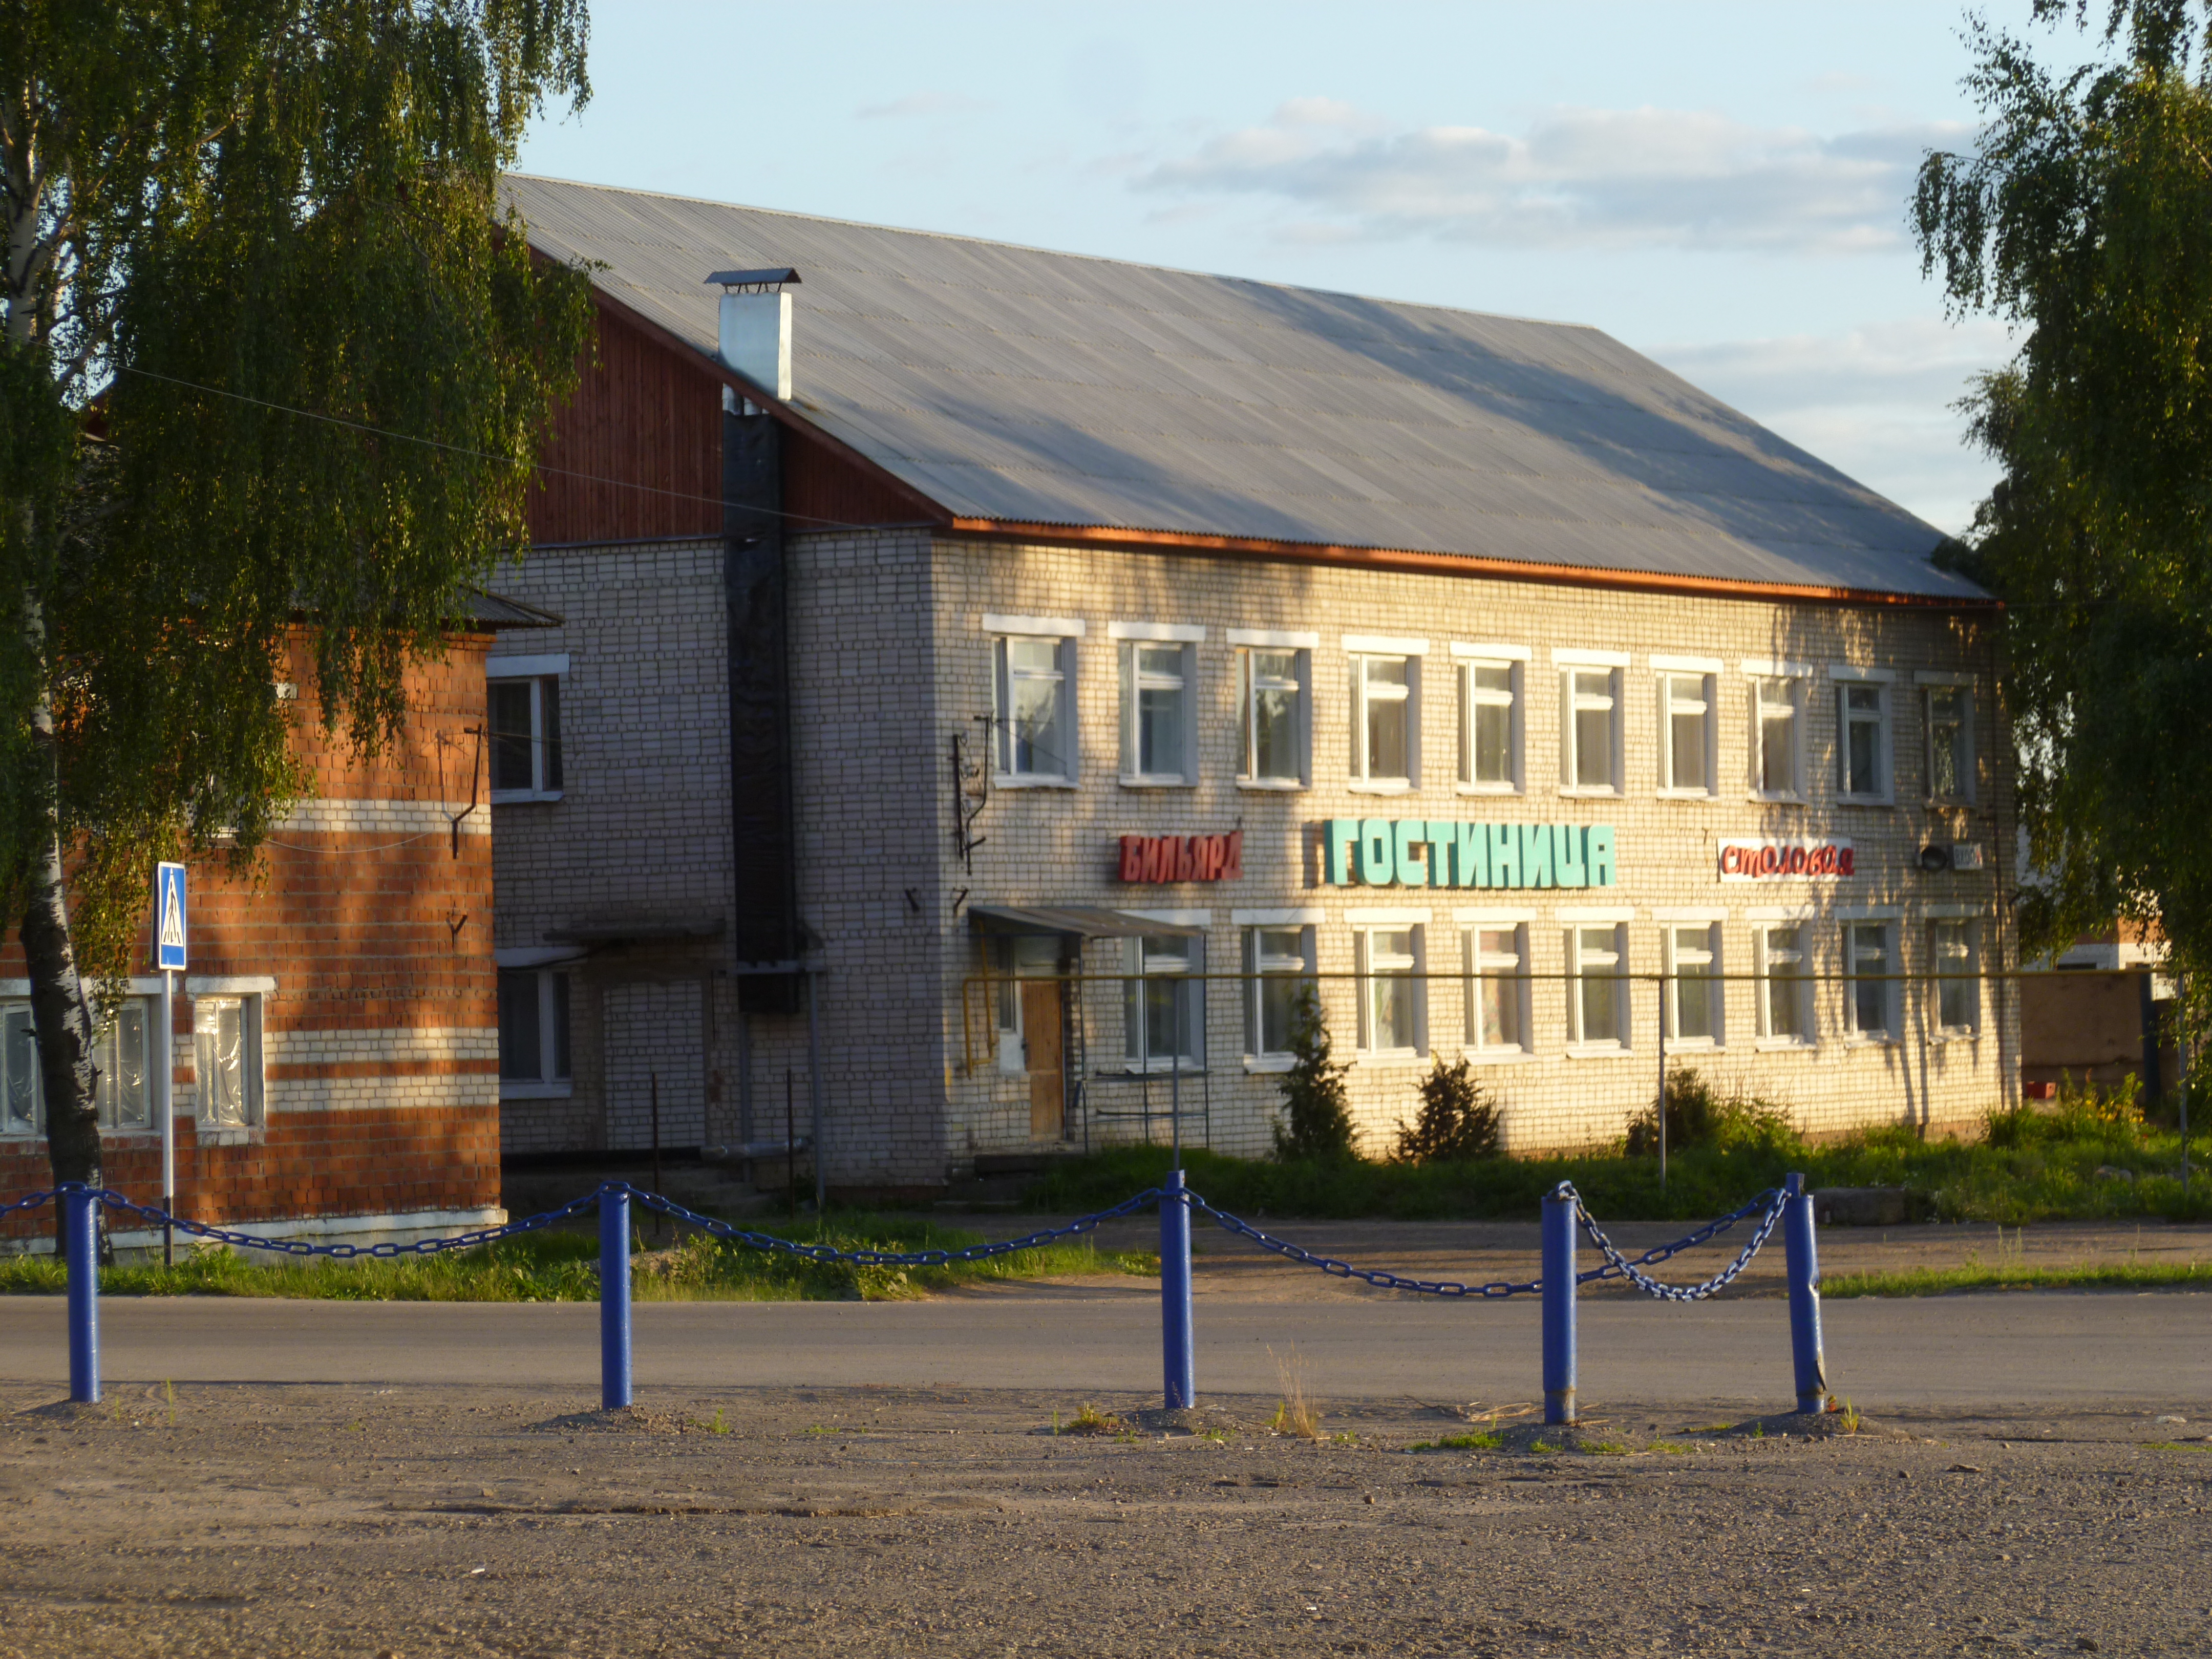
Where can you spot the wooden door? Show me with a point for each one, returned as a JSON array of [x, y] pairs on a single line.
[[1042, 1043]]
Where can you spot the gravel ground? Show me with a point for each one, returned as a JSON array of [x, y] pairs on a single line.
[[324, 1520]]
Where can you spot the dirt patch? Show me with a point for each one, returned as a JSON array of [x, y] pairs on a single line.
[[451, 1523]]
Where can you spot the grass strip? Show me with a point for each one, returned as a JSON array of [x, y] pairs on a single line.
[[555, 1266], [2082, 1276], [2055, 1172]]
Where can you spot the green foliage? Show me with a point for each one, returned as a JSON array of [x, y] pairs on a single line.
[[273, 358], [2057, 1180], [2084, 218], [1458, 1120], [556, 1266], [2085, 1114], [1317, 1123], [1696, 1117]]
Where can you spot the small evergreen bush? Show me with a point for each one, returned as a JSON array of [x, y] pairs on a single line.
[[1697, 1116], [1458, 1119], [1316, 1124]]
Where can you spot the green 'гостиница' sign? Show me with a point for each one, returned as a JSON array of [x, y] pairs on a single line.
[[1424, 852]]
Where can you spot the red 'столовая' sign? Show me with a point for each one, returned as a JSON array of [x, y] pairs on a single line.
[[1779, 860]]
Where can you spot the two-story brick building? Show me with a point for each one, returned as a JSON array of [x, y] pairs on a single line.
[[945, 619]]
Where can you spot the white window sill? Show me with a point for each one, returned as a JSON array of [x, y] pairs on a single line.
[[211, 1134], [1269, 1063], [1134, 780], [1498, 1056], [1763, 797], [1486, 789], [1380, 785], [1599, 1051], [1281, 786], [1948, 803], [1164, 1073], [1026, 780], [1865, 800], [1389, 1057], [1870, 1040], [1589, 792], [523, 796], [1680, 1045], [1783, 1045], [1957, 1034], [1687, 794], [518, 1088]]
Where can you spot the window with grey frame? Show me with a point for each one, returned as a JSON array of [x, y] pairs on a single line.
[[1777, 738], [1589, 739], [1949, 712], [1597, 988], [1490, 725], [1785, 988], [1157, 700], [1279, 966], [1952, 952], [1863, 745], [1687, 703], [1693, 1001], [1869, 993], [1393, 1001], [1272, 714], [227, 1060], [122, 1058], [1164, 1004], [525, 721], [533, 1025], [1498, 988], [1032, 711], [1385, 703]]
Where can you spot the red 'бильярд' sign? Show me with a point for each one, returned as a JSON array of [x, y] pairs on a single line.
[[1161, 859]]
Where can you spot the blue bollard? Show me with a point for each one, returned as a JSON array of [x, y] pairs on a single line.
[[1804, 1263], [1177, 1361], [1559, 1309], [614, 1297], [81, 1233]]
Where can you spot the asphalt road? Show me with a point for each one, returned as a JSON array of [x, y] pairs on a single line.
[[1957, 1352]]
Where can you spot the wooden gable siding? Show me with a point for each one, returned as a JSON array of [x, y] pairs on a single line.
[[636, 455], [824, 491]]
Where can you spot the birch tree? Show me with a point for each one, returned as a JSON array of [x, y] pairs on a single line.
[[271, 357]]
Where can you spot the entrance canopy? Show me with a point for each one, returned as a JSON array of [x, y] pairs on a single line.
[[1072, 920]]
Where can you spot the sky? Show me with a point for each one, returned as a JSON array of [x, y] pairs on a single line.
[[1722, 186]]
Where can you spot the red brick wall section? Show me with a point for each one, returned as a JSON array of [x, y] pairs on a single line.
[[380, 1044]]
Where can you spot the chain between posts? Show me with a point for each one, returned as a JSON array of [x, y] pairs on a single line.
[[1617, 1265], [1774, 1199]]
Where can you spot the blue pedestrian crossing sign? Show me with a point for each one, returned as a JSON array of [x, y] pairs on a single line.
[[169, 917]]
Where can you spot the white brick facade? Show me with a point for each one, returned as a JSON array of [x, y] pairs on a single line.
[[890, 658]]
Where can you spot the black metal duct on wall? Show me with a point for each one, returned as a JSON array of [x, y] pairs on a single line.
[[763, 840]]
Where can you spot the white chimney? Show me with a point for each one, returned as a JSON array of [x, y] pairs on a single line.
[[754, 336]]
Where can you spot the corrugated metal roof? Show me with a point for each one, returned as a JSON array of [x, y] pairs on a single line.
[[1011, 383]]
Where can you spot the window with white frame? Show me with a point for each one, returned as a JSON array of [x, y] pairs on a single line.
[[1385, 715], [1589, 722], [1862, 743], [1498, 988], [1492, 720], [1776, 706], [1869, 993], [1693, 1000], [1392, 1003], [1159, 671], [1952, 942], [227, 1060], [533, 1025], [1949, 713], [1164, 1009], [1278, 961], [1273, 712], [1032, 699], [1597, 986], [1689, 704], [1785, 988], [525, 721], [122, 1057]]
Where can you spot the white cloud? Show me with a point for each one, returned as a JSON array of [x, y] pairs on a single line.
[[1579, 178], [1875, 402]]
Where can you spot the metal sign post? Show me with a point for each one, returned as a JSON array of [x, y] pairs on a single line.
[[169, 957]]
